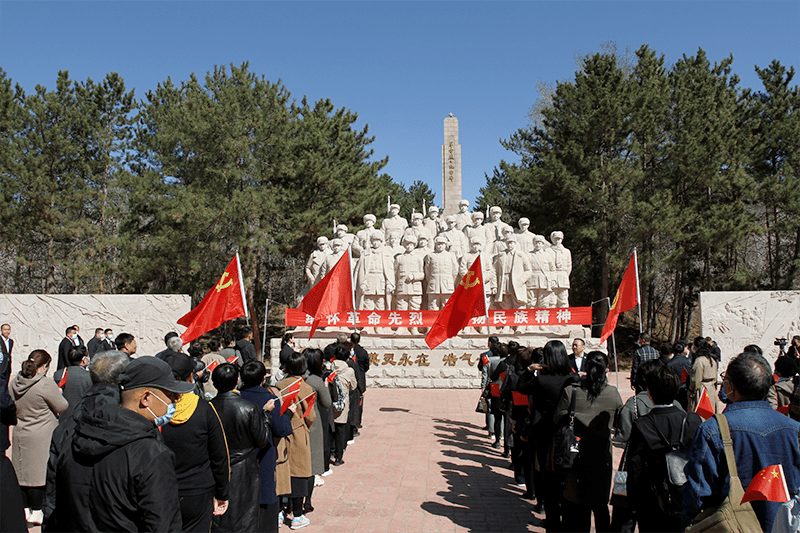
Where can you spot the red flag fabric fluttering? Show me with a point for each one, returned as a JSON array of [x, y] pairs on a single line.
[[310, 399], [331, 377], [467, 301], [704, 407], [212, 366], [626, 299], [331, 296], [232, 359], [684, 375], [291, 395], [63, 379], [225, 301], [769, 484]]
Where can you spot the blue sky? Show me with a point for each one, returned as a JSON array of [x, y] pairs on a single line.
[[402, 66]]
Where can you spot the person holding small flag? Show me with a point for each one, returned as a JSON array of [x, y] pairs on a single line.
[[761, 437], [321, 403], [704, 377], [293, 472]]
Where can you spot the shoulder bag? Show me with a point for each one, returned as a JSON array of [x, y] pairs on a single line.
[[565, 446], [730, 515]]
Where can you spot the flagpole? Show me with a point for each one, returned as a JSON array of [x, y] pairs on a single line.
[[264, 336], [613, 345], [638, 293], [352, 287], [485, 303], [241, 285]]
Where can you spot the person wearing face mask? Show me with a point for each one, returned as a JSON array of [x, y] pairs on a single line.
[[95, 344], [66, 345], [135, 487], [201, 457]]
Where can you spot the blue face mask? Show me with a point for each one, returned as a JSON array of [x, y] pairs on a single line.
[[163, 420]]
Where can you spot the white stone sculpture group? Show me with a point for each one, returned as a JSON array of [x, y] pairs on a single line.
[[406, 267]]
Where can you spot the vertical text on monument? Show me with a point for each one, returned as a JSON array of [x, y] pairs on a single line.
[[451, 167]]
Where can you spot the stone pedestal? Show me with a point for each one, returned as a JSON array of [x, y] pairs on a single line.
[[407, 362]]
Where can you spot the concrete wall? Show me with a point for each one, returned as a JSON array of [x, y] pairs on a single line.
[[38, 321]]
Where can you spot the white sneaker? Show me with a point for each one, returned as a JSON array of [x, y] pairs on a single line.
[[328, 472], [351, 441], [27, 514], [37, 517], [318, 481]]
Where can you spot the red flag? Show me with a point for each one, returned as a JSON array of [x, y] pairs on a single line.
[[704, 407], [783, 409], [684, 375], [331, 377], [467, 301], [225, 301], [626, 299], [331, 296], [769, 484], [232, 359], [63, 379], [289, 397], [311, 398], [212, 366]]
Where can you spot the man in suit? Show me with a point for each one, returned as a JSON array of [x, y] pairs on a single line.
[[67, 344], [78, 341], [108, 341], [6, 345], [95, 343], [245, 344], [578, 346]]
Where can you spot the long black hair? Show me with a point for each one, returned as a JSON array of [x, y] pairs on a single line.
[[596, 380]]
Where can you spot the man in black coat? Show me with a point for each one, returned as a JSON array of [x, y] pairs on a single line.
[[95, 344], [131, 471], [6, 347], [245, 345], [66, 345]]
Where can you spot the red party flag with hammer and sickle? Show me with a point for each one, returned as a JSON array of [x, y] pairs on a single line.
[[225, 301], [467, 301]]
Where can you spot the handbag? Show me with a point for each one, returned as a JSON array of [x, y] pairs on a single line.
[[482, 406], [565, 446], [730, 515], [619, 492]]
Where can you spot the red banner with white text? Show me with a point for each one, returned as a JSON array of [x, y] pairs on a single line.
[[497, 318]]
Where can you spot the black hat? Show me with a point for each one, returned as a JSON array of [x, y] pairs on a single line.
[[149, 371], [182, 364]]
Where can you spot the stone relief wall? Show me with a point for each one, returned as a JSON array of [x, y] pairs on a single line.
[[736, 319], [38, 321]]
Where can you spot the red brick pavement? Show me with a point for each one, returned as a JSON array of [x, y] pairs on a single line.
[[423, 463]]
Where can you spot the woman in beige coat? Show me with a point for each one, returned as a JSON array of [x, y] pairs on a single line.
[[39, 402], [293, 469], [347, 379], [704, 376]]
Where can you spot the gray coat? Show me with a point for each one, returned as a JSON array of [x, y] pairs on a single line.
[[315, 432], [39, 402]]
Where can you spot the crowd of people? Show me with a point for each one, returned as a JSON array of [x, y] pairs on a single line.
[[557, 418], [199, 441]]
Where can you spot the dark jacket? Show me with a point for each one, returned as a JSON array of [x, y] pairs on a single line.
[[544, 391], [201, 457], [130, 472], [246, 433], [281, 427], [63, 352], [94, 346], [8, 414], [77, 384], [646, 463], [362, 358], [248, 351], [65, 508]]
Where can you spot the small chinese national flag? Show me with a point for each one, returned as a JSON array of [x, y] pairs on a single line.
[[467, 301], [310, 399], [291, 395], [769, 484], [212, 366], [704, 407], [684, 375], [333, 294], [232, 359], [225, 301], [626, 299], [331, 377]]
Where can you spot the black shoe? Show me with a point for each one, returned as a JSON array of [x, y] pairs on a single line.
[[356, 433], [496, 444], [529, 496], [308, 509], [539, 507], [506, 454], [338, 462]]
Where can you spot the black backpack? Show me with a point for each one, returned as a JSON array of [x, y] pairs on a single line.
[[667, 474]]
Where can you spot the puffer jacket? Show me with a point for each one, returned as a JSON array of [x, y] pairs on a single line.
[[133, 481]]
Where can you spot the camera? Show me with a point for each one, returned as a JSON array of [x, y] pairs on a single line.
[[782, 342]]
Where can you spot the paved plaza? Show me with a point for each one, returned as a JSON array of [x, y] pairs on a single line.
[[423, 463]]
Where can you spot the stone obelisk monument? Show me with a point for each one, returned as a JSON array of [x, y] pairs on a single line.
[[451, 167]]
